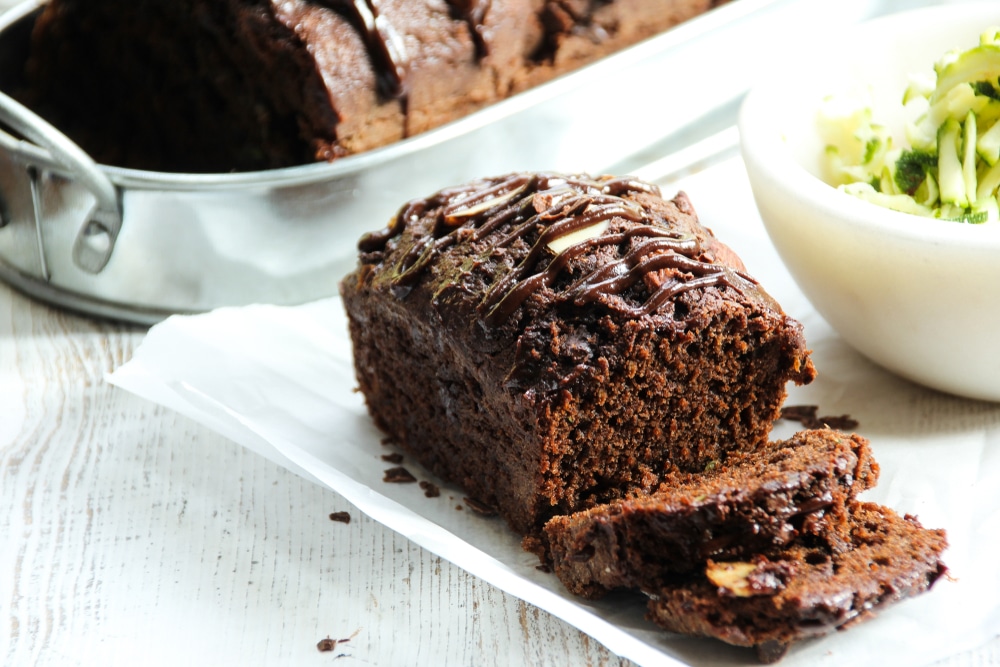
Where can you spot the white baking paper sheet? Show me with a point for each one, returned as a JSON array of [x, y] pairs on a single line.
[[280, 382]]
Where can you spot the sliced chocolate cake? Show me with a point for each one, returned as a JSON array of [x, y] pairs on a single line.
[[553, 342], [754, 502]]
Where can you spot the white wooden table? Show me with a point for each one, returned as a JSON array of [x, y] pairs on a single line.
[[130, 535]]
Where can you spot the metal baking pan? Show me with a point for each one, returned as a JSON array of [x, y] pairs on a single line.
[[140, 245]]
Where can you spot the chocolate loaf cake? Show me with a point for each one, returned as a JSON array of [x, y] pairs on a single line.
[[554, 342], [768, 602], [221, 85], [755, 502]]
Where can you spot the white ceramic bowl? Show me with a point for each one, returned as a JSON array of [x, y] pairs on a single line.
[[920, 297]]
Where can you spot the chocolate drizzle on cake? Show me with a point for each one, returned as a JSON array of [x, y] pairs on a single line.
[[385, 45], [473, 12], [571, 216]]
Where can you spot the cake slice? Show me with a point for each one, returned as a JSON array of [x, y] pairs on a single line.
[[553, 342], [768, 602], [755, 502]]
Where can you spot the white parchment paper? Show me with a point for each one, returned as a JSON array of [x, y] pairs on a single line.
[[280, 382]]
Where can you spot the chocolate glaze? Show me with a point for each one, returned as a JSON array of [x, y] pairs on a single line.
[[473, 12], [385, 45], [554, 206]]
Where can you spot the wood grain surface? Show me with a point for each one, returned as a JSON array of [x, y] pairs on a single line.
[[131, 535]]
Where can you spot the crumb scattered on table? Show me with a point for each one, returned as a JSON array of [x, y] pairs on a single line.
[[398, 475], [807, 416], [431, 489], [841, 422], [479, 507], [342, 517], [799, 413]]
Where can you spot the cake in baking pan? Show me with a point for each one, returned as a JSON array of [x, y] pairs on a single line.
[[223, 85]]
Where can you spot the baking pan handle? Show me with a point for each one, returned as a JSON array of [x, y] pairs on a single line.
[[96, 238]]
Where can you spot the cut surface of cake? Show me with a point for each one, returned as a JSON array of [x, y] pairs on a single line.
[[552, 342], [769, 602], [754, 502], [221, 85]]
